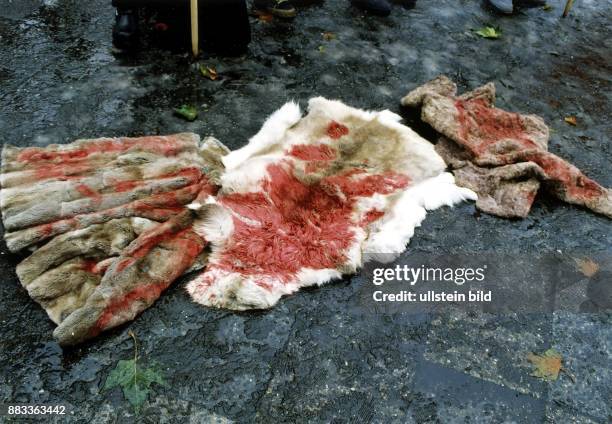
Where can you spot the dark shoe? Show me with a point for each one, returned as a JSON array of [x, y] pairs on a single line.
[[503, 6], [529, 3], [280, 8], [507, 6], [125, 31], [377, 7]]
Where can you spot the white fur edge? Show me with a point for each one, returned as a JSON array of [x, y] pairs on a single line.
[[271, 133], [389, 237]]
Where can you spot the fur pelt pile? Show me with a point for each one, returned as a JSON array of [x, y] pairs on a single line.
[[111, 223], [502, 156]]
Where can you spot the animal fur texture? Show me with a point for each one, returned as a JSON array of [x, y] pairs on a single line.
[[502, 156], [311, 198], [107, 222]]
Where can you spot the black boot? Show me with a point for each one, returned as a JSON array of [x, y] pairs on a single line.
[[125, 30], [377, 7]]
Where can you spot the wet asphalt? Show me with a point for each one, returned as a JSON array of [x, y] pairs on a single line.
[[320, 356]]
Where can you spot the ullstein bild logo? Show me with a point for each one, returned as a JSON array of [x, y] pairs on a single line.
[[432, 296]]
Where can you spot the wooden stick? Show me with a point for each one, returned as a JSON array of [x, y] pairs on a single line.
[[195, 35], [568, 7]]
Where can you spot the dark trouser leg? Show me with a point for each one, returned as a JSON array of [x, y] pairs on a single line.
[[377, 7], [125, 30]]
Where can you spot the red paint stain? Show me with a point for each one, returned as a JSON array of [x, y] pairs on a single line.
[[337, 130], [371, 216], [159, 207], [482, 126], [86, 191], [311, 152], [568, 178], [185, 246], [143, 293], [352, 184], [88, 265], [123, 186], [297, 225], [69, 164], [166, 146], [192, 175], [144, 244], [61, 172]]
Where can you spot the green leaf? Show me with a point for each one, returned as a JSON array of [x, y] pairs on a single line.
[[153, 376], [135, 395], [489, 32], [187, 112], [134, 382], [121, 375]]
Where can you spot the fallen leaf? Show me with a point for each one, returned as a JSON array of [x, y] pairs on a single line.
[[321, 49], [587, 266], [187, 112], [264, 17], [208, 72], [134, 382], [328, 36], [489, 32], [547, 8], [547, 366], [572, 120]]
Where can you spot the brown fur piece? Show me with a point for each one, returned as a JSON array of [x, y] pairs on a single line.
[[107, 222], [503, 156]]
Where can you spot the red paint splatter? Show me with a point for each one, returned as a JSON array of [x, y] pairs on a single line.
[[298, 225], [371, 216], [159, 207], [61, 172], [482, 126], [123, 186], [566, 176], [337, 130], [485, 130], [88, 265], [166, 146], [310, 152], [353, 185], [86, 191], [146, 293], [186, 246]]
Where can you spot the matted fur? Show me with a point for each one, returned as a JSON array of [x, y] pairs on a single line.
[[107, 222], [310, 199], [501, 155]]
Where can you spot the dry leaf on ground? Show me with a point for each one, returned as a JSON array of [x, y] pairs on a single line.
[[547, 366], [587, 266], [209, 72], [572, 120], [328, 36], [264, 17]]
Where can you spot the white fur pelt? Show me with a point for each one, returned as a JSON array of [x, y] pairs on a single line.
[[311, 198]]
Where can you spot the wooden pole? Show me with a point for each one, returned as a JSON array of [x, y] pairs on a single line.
[[195, 35], [568, 7]]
